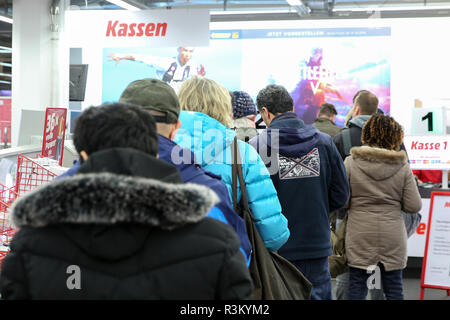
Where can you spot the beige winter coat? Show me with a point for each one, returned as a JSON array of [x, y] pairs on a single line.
[[381, 185]]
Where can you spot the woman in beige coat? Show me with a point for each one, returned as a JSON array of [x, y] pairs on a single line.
[[382, 185]]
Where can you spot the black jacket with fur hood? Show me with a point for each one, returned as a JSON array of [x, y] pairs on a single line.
[[122, 228]]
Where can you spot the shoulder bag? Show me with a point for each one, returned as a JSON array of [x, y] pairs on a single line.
[[274, 277]]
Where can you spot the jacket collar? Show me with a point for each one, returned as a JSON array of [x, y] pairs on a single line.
[[287, 119], [130, 162], [181, 158], [107, 198], [324, 120], [359, 121], [289, 134], [205, 136], [374, 154]]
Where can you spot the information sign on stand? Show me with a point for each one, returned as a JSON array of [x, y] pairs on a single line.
[[429, 121], [436, 261], [54, 133]]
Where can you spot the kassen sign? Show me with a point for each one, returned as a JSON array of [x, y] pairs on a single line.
[[54, 133], [123, 28], [428, 152]]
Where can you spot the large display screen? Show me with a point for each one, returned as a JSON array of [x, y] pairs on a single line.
[[315, 65]]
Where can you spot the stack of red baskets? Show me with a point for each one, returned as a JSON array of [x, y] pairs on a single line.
[[30, 175], [7, 196]]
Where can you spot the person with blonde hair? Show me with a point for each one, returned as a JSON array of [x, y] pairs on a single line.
[[382, 186], [206, 119]]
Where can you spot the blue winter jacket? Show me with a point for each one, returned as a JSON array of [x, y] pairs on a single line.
[[210, 141], [193, 173], [309, 175]]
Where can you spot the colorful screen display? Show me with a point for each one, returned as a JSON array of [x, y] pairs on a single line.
[[315, 65]]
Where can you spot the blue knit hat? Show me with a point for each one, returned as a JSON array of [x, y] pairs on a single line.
[[243, 105]]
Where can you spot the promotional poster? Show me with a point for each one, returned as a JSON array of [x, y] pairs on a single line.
[[54, 132], [5, 120], [315, 65]]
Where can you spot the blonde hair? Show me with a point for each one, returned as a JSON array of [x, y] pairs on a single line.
[[207, 96], [349, 116]]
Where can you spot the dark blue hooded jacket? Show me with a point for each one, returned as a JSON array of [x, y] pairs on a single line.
[[194, 173], [310, 179]]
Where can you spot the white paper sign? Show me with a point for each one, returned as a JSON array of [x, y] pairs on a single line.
[[428, 152], [429, 121], [437, 264], [123, 28], [416, 243]]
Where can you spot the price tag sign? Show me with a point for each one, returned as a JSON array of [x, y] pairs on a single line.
[[428, 121], [54, 133]]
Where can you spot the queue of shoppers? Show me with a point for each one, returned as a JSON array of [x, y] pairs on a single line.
[[149, 210]]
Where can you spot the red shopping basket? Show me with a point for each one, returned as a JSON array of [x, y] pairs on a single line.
[[30, 175], [7, 197]]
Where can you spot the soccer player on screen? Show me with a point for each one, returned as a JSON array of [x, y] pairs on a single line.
[[172, 70]]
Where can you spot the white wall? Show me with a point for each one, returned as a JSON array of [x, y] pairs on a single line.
[[419, 63], [40, 67]]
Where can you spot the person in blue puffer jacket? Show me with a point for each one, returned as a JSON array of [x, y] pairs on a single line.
[[206, 117]]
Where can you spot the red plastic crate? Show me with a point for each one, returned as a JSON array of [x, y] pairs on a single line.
[[7, 197], [30, 175]]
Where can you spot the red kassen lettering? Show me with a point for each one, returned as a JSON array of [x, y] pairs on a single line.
[[123, 30], [160, 26], [414, 145], [132, 32], [149, 29], [140, 29], [111, 29], [421, 228]]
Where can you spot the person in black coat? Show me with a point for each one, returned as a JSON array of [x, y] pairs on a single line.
[[124, 227]]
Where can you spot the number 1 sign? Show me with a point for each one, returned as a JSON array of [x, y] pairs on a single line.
[[429, 121]]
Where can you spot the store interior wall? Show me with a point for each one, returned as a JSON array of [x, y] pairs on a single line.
[[40, 60], [419, 61]]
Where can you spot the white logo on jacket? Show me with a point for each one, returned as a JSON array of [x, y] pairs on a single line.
[[304, 167]]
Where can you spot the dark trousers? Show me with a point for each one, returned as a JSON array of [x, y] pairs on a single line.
[[317, 271], [391, 282]]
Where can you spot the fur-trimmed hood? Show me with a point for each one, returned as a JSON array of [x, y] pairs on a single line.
[[378, 163], [107, 198], [116, 200]]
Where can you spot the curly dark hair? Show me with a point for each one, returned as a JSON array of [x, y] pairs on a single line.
[[275, 98], [383, 132]]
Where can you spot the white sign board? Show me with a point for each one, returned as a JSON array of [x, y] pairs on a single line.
[[436, 265], [428, 152], [429, 121], [416, 243], [123, 28]]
